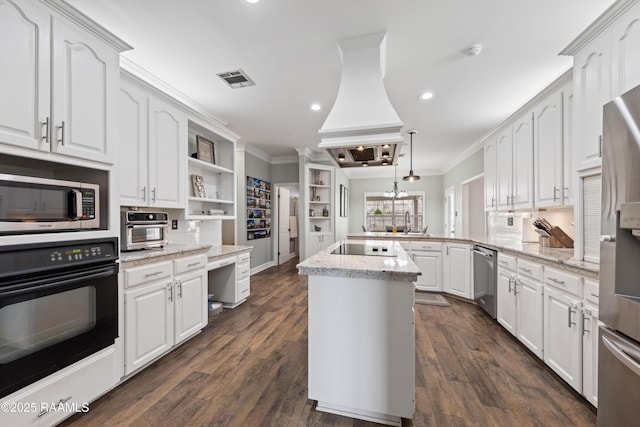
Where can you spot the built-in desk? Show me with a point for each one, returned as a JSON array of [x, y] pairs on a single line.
[[229, 273]]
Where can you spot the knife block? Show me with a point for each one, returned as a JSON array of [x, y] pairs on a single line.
[[562, 237], [549, 242]]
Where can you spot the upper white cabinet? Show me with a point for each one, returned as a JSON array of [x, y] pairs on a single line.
[[62, 81], [522, 196], [625, 61], [151, 138], [490, 172], [592, 84], [548, 151], [504, 170]]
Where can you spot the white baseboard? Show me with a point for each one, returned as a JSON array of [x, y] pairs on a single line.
[[262, 267]]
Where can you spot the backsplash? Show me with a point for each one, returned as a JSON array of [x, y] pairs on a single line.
[[516, 226], [207, 232]]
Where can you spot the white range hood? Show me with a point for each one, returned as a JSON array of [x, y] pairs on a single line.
[[362, 126]]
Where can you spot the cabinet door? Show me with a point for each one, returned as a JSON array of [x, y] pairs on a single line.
[[191, 312], [458, 270], [504, 150], [505, 293], [590, 354], [529, 323], [166, 137], [24, 75], [132, 146], [84, 94], [563, 336], [548, 151], [490, 172], [522, 196], [625, 61], [568, 147], [149, 324], [592, 84], [430, 265]]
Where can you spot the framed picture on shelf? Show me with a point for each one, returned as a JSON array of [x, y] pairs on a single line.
[[205, 150], [198, 186]]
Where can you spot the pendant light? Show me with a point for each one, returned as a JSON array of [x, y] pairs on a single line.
[[411, 176], [395, 192]]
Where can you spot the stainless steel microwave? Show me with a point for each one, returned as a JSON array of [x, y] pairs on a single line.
[[36, 205]]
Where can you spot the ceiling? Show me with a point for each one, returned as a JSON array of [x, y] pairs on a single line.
[[288, 48]]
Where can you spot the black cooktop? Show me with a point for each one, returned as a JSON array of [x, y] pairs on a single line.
[[362, 249]]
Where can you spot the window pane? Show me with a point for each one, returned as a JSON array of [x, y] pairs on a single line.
[[381, 213]]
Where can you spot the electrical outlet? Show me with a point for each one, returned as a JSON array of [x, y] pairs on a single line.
[[510, 221], [174, 224]]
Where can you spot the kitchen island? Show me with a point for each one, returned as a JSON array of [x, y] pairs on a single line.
[[362, 330]]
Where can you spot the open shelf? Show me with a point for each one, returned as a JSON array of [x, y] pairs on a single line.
[[208, 166]]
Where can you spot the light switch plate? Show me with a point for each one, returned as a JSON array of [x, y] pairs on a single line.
[[174, 224]]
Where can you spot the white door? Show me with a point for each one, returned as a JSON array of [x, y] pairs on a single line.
[[522, 196], [548, 149], [529, 323], [457, 274], [504, 174], [506, 311], [132, 146], [283, 226], [449, 211]]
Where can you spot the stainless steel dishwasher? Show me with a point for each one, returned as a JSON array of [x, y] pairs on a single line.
[[485, 278]]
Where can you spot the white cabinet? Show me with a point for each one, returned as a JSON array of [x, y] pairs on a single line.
[[590, 330], [568, 146], [320, 207], [520, 301], [504, 171], [522, 195], [548, 151], [165, 303], [428, 258], [230, 279], [151, 138], [592, 89], [563, 328], [457, 269], [62, 81], [490, 174], [625, 61]]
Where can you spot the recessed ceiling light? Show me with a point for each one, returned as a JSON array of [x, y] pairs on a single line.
[[385, 162], [386, 145], [385, 154], [314, 107], [365, 164], [252, 1], [360, 148], [426, 95], [341, 157]]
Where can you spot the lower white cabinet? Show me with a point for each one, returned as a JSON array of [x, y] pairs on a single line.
[[590, 325], [456, 264], [428, 258], [563, 336], [317, 242], [506, 310], [165, 303]]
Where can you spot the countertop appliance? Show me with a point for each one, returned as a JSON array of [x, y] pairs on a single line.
[[485, 278], [58, 305], [35, 205], [619, 340], [350, 248], [143, 230]]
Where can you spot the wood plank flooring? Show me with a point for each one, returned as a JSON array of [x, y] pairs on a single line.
[[249, 368]]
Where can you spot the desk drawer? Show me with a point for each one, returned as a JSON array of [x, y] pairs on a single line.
[[243, 270], [182, 265], [243, 288], [213, 265], [244, 257]]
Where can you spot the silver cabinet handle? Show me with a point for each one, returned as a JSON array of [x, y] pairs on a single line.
[[565, 193], [554, 280], [584, 324], [516, 282], [510, 281], [170, 289], [180, 289], [61, 133], [528, 270], [569, 312], [594, 295], [153, 195], [555, 193], [599, 145], [45, 134], [152, 274], [503, 262], [60, 402], [144, 193], [621, 355], [193, 264]]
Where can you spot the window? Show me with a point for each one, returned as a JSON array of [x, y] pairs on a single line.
[[382, 213]]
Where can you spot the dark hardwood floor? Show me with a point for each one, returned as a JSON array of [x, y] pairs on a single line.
[[249, 368]]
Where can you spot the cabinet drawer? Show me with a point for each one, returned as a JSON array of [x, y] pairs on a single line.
[[531, 269], [221, 263], [507, 261], [427, 246], [243, 270], [195, 262], [147, 273], [591, 291], [562, 280], [243, 288], [244, 257]]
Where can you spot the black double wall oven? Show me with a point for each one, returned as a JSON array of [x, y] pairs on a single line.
[[58, 305]]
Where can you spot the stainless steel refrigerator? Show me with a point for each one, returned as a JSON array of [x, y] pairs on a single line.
[[619, 340]]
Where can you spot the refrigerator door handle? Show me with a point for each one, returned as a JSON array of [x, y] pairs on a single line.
[[621, 355]]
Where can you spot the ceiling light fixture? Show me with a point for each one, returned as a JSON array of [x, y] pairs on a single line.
[[341, 157], [426, 95], [395, 192], [411, 176], [360, 147], [316, 107], [385, 154], [386, 145], [365, 164], [384, 162]]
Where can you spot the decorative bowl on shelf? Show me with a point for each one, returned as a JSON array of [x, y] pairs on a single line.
[[317, 228]]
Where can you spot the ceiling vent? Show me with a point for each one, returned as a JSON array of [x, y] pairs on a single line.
[[236, 79], [362, 115]]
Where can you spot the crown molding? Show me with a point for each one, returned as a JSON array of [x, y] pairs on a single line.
[[283, 160], [257, 152], [468, 152]]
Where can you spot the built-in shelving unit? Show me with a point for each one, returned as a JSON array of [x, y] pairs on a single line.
[[258, 208], [319, 214], [213, 197]]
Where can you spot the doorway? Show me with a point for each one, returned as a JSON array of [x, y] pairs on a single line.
[[285, 221]]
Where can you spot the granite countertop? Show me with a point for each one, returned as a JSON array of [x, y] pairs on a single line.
[[549, 256], [175, 250], [324, 263]]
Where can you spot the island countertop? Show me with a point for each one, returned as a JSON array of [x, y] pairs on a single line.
[[324, 263]]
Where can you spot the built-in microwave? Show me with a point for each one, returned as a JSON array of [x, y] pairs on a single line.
[[36, 205]]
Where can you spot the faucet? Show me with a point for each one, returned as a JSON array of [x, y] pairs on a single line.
[[406, 221]]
